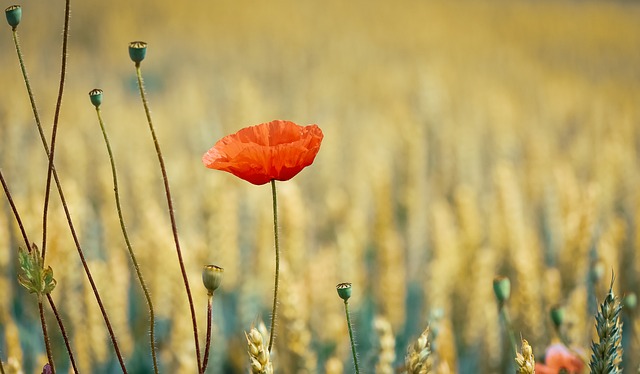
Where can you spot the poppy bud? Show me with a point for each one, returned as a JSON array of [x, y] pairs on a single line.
[[137, 51], [557, 316], [344, 290], [14, 15], [631, 301], [597, 270], [212, 277], [96, 97], [502, 288]]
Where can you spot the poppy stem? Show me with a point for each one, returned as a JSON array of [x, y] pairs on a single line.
[[63, 73], [205, 358], [174, 228], [45, 335], [277, 243], [132, 255], [353, 342], [63, 200], [509, 328], [1, 367], [28, 246]]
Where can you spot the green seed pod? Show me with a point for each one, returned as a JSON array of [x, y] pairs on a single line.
[[96, 97], [137, 51], [597, 270], [212, 277], [344, 290], [14, 15], [502, 288], [557, 316], [631, 301]]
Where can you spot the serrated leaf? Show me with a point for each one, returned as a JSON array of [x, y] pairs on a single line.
[[33, 276], [49, 281]]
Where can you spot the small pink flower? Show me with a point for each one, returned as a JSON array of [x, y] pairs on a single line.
[[557, 358]]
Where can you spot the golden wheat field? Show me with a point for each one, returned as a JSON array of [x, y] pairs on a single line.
[[463, 140]]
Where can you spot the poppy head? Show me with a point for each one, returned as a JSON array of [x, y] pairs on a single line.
[[557, 358], [276, 150]]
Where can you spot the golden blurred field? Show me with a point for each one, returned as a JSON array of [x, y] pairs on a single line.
[[462, 140]]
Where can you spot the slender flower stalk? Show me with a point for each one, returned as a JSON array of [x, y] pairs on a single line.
[[63, 200], [211, 278], [502, 291], [96, 99], [65, 337], [207, 345], [28, 246], [137, 51], [47, 343], [63, 73], [274, 310], [344, 291]]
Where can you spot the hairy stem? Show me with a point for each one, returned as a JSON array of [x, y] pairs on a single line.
[[45, 335], [132, 255], [174, 228], [28, 246], [205, 358], [64, 333], [276, 278], [353, 342], [63, 73], [66, 209]]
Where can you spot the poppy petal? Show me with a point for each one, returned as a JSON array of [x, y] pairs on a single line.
[[276, 150]]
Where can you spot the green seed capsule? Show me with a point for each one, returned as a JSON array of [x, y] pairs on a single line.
[[502, 288], [212, 277], [96, 97], [137, 51], [14, 15], [344, 291]]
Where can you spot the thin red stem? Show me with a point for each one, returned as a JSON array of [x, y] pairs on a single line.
[[63, 73], [45, 335], [28, 246], [174, 228], [205, 358]]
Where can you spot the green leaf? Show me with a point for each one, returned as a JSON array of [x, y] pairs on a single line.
[[33, 276]]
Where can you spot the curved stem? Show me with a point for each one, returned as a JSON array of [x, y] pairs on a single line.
[[205, 358], [353, 342], [63, 72], [67, 213], [174, 228], [28, 246], [45, 335], [132, 255], [277, 243]]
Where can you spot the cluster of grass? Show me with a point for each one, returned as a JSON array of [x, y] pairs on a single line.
[[463, 140]]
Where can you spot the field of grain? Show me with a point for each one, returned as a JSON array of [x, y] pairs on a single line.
[[463, 140]]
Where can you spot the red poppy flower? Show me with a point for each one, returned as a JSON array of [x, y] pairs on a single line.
[[276, 150], [558, 357]]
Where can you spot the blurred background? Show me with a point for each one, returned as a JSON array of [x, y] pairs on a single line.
[[463, 140]]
